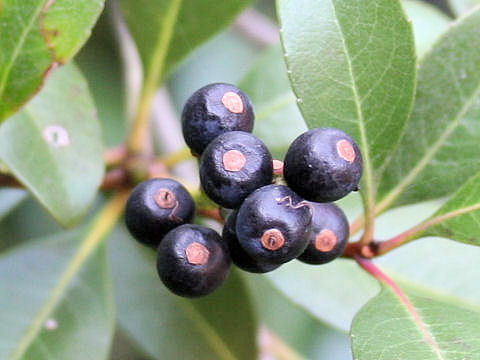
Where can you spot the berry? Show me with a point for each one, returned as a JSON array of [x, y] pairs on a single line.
[[329, 234], [233, 166], [213, 110], [155, 207], [193, 260], [323, 165], [274, 224], [238, 255]]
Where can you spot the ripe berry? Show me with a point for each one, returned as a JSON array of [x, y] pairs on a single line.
[[329, 234], [213, 110], [233, 166], [323, 165], [274, 224], [155, 207], [193, 260], [238, 255]]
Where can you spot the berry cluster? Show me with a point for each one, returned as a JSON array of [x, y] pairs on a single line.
[[268, 223]]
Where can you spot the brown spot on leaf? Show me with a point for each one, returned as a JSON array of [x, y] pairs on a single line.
[[197, 254]]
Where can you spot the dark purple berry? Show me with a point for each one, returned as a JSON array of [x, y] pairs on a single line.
[[155, 207], [238, 255], [193, 260], [323, 165], [274, 224], [329, 236], [213, 110], [233, 166]]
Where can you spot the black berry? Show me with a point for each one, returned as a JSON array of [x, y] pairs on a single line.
[[193, 260], [213, 110], [274, 224], [323, 165], [233, 166], [155, 207], [238, 255], [329, 234]]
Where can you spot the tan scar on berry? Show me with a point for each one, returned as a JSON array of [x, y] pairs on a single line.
[[165, 198], [346, 151], [234, 160], [272, 239], [325, 240], [197, 254], [233, 102]]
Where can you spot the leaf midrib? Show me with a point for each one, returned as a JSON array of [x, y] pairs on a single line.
[[367, 165], [19, 46], [213, 339], [100, 228], [157, 63]]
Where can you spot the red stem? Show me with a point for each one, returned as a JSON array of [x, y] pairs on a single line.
[[384, 278]]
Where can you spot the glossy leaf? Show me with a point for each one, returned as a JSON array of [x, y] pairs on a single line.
[[166, 31], [220, 326], [459, 218], [101, 64], [54, 146], [56, 304], [460, 7], [434, 327], [428, 23], [298, 328], [9, 200], [35, 37], [277, 119], [333, 292], [440, 149], [352, 66]]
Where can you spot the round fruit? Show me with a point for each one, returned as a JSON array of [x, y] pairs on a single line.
[[274, 224], [213, 110], [193, 260], [329, 237], [233, 166], [323, 165], [238, 255], [155, 207]]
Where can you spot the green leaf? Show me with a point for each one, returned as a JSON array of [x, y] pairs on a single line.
[[460, 7], [459, 218], [352, 66], [166, 31], [58, 303], [219, 326], [9, 200], [332, 292], [35, 37], [428, 23], [429, 326], [277, 119], [54, 146], [294, 325], [101, 63], [439, 151]]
